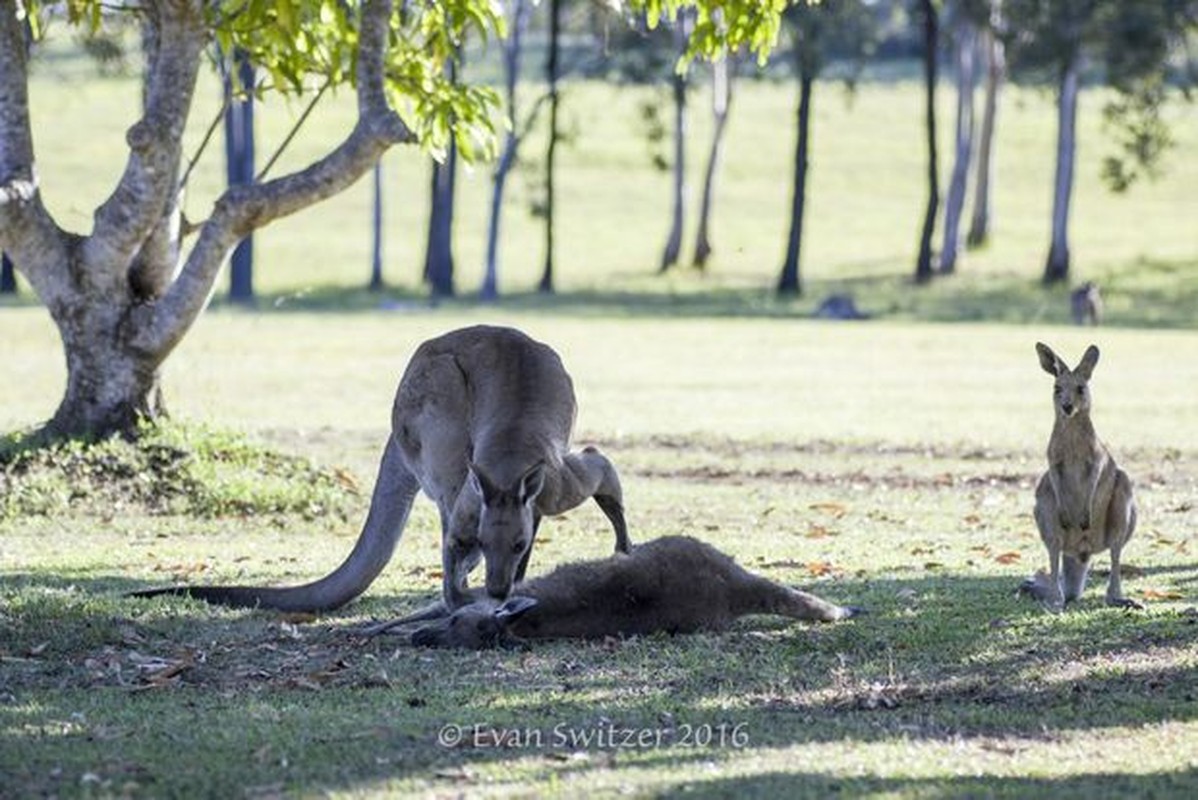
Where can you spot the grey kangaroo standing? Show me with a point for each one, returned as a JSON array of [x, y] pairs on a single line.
[[481, 422], [1084, 502], [675, 584]]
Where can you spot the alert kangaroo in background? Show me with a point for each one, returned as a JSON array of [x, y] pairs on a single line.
[[481, 422], [1084, 502], [675, 584]]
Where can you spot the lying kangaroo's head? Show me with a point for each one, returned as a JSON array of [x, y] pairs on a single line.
[[479, 626], [506, 524], [1071, 392]]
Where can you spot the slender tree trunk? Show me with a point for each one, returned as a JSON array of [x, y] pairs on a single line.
[[1057, 267], [931, 33], [965, 50], [513, 48], [979, 226], [723, 73], [789, 282], [551, 74], [8, 277], [669, 256], [438, 258], [239, 154], [376, 229]]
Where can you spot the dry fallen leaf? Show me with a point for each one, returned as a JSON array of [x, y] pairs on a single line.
[[1008, 558], [835, 510], [1161, 594], [818, 568]]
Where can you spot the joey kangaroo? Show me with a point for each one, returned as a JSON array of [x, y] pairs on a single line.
[[1084, 502], [675, 584], [481, 422]]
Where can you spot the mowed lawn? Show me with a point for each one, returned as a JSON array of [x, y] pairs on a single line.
[[880, 464]]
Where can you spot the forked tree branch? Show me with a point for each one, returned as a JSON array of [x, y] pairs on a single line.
[[241, 209], [141, 197]]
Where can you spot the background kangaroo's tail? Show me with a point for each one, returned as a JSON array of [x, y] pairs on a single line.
[[394, 491]]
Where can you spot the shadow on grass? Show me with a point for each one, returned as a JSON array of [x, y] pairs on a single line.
[[264, 699], [812, 784]]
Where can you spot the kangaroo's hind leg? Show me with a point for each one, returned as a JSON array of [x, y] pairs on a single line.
[[1120, 525]]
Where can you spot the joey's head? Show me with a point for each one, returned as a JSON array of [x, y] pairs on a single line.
[[481, 625], [1071, 389], [506, 524]]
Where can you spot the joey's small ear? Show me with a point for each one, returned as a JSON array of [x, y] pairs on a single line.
[[514, 607], [1089, 360], [482, 484], [532, 482], [1049, 360]]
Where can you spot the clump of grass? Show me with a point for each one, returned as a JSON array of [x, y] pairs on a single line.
[[167, 469]]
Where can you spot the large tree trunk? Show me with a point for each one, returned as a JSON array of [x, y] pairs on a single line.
[[513, 47], [119, 296], [551, 74], [438, 255], [979, 225], [965, 50], [723, 73], [669, 255], [789, 282], [931, 33], [1057, 267]]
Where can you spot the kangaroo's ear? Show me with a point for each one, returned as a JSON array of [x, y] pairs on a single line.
[[533, 481], [482, 484], [1086, 367], [1049, 360], [514, 607]]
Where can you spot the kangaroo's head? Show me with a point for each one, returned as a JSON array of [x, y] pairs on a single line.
[[506, 524], [1071, 390], [481, 625]]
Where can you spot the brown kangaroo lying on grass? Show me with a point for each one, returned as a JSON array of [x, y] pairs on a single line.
[[1084, 502], [481, 422], [675, 584]]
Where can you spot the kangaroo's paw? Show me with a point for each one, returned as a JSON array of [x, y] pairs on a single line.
[[1124, 602]]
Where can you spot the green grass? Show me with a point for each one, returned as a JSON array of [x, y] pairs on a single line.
[[866, 197], [884, 464]]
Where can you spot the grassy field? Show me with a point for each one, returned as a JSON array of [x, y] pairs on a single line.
[[887, 465], [866, 199]]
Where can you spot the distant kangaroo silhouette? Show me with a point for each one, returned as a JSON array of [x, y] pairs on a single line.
[[675, 584], [1084, 502], [481, 422]]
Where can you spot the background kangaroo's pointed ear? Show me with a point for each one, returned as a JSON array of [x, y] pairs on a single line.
[[1049, 360], [482, 484], [532, 482], [1089, 360], [514, 607]]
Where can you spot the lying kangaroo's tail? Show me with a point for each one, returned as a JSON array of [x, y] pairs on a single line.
[[394, 491]]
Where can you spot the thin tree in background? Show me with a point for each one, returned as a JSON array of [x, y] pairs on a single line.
[[8, 277], [545, 286], [678, 84], [931, 36], [517, 12], [994, 57], [376, 229], [723, 73], [438, 255], [239, 163], [965, 36]]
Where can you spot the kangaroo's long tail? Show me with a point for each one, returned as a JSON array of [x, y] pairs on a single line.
[[394, 491]]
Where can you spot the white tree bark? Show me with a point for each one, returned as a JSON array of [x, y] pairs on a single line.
[[1057, 267], [965, 51]]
